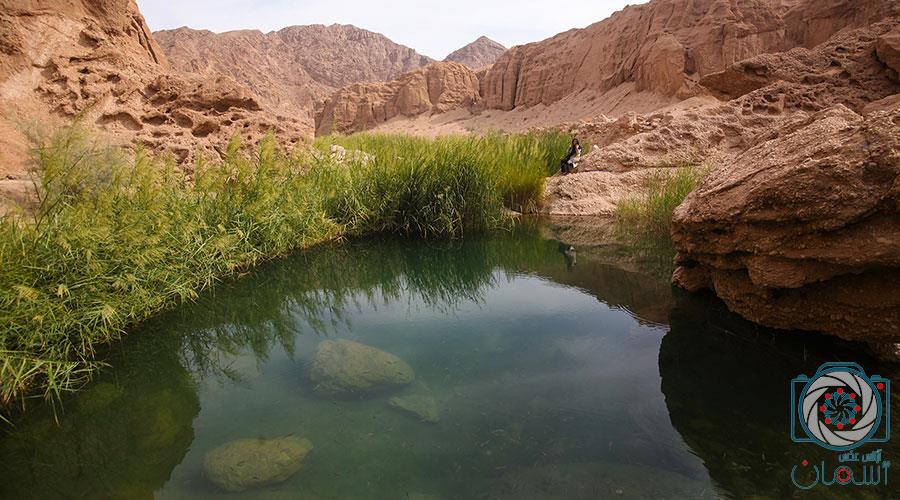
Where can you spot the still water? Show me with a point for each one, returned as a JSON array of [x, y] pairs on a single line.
[[555, 374]]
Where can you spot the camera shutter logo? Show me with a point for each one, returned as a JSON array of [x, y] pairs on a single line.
[[840, 408]]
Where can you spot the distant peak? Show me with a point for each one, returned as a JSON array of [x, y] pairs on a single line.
[[479, 53]]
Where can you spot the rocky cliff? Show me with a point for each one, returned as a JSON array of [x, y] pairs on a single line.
[[657, 55], [796, 225], [294, 68], [97, 59], [801, 230], [665, 47], [481, 53], [436, 88]]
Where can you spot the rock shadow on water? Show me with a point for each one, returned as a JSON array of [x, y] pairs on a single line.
[[726, 384]]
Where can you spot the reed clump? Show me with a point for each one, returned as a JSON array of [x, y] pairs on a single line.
[[651, 212]]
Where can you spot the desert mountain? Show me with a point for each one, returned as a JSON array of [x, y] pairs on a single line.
[[479, 54], [647, 57], [293, 68]]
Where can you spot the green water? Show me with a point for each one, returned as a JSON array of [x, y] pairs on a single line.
[[557, 376]]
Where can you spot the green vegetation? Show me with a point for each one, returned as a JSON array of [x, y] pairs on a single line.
[[517, 163], [117, 237], [644, 222], [651, 214]]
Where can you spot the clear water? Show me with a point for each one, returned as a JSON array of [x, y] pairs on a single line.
[[555, 379]]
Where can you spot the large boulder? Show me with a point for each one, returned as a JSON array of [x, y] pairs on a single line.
[[801, 231], [344, 367], [888, 50], [250, 463]]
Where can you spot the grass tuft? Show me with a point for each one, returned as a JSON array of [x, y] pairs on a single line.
[[651, 212]]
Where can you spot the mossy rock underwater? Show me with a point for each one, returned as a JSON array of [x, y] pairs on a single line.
[[422, 406], [249, 463], [343, 367]]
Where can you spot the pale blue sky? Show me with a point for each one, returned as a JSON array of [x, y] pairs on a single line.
[[432, 28]]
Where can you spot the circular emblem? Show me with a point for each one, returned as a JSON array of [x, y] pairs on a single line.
[[840, 408]]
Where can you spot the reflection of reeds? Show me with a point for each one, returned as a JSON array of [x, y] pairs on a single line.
[[644, 221], [117, 237], [651, 212], [313, 291]]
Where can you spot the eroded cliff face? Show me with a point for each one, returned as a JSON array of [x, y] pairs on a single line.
[[759, 94], [97, 59], [657, 55], [797, 225], [665, 47], [436, 88], [803, 229]]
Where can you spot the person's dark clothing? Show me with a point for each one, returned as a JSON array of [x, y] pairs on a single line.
[[567, 165]]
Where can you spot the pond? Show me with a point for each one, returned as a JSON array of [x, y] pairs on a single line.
[[535, 371]]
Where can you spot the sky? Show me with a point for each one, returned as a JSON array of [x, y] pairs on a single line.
[[432, 28]]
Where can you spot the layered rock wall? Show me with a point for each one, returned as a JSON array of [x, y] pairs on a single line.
[[436, 88]]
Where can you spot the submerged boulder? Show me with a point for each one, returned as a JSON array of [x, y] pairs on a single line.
[[347, 367], [801, 231], [420, 405], [250, 463]]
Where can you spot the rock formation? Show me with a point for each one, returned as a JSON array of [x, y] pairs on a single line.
[[481, 53], [796, 225], [653, 57], [249, 463], [665, 47], [783, 88], [346, 367], [97, 59], [294, 68], [800, 231], [418, 403], [436, 88]]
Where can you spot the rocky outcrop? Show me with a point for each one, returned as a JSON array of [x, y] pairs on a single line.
[[250, 463], [887, 49], [97, 59], [293, 68], [766, 93], [481, 53], [343, 367], [436, 88], [848, 69], [666, 46], [593, 193], [800, 231]]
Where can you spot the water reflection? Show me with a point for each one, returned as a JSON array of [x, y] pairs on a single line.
[[726, 384], [547, 371], [120, 438]]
